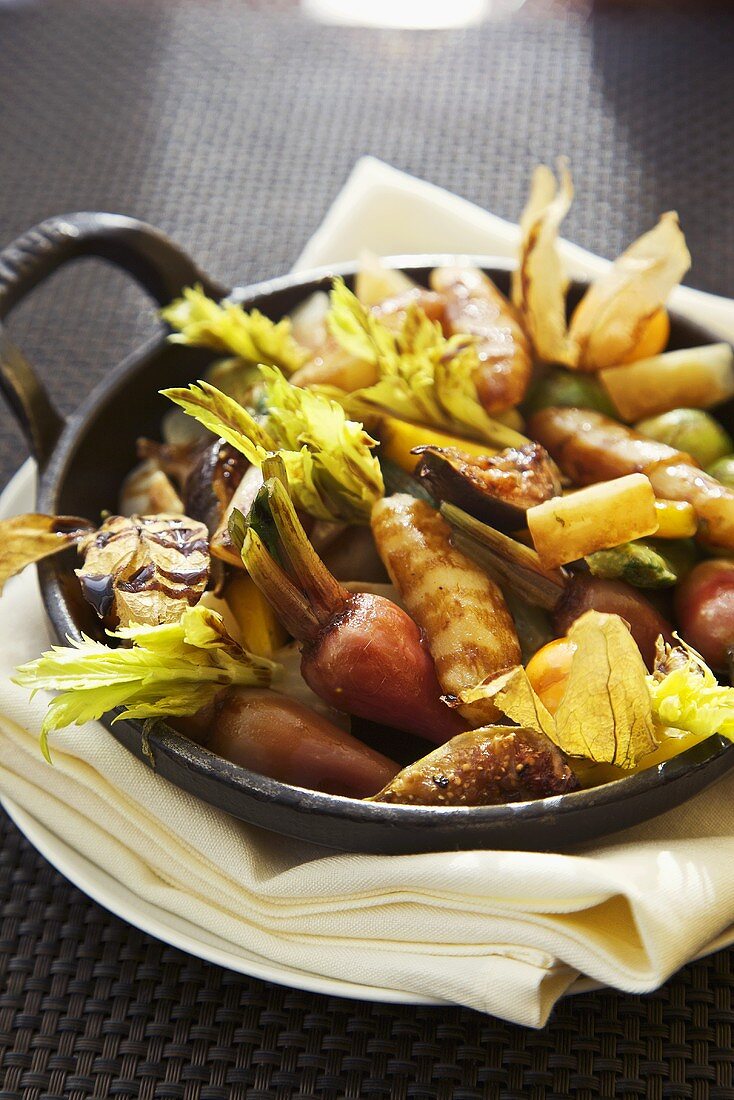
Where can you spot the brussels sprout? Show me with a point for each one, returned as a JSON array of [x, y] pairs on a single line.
[[723, 470], [567, 388], [690, 430]]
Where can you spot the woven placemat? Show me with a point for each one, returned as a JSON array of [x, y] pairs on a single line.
[[232, 125], [90, 1007]]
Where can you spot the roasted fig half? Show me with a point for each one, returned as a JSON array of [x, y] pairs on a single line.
[[497, 489], [484, 767]]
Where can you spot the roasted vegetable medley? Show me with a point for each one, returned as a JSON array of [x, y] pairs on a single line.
[[423, 544]]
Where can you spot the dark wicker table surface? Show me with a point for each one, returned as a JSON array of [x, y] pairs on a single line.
[[232, 125]]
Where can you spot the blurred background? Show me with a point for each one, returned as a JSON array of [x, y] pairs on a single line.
[[232, 125]]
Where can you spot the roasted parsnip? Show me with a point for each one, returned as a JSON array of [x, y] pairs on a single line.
[[712, 502], [474, 305], [697, 378], [591, 447], [462, 613]]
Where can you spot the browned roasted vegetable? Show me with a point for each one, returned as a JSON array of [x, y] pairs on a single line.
[[712, 502], [280, 737], [212, 482], [157, 483], [483, 768], [498, 489], [590, 447], [361, 653], [393, 310], [462, 613], [567, 595], [29, 538], [144, 569], [474, 305]]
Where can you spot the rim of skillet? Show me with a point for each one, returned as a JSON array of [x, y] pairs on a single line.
[[166, 741]]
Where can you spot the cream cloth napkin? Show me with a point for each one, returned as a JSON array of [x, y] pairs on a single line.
[[503, 932]]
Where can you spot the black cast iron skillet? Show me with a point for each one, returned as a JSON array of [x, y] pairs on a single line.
[[82, 462]]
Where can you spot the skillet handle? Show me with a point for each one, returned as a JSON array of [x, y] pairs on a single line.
[[143, 252]]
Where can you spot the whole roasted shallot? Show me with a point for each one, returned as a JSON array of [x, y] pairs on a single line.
[[274, 735]]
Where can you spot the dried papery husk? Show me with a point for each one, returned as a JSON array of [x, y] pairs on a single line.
[[539, 282], [616, 309], [33, 536], [606, 714]]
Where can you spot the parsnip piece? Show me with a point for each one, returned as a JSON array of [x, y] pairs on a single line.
[[691, 378], [567, 528], [463, 614], [308, 321], [147, 490], [476, 306]]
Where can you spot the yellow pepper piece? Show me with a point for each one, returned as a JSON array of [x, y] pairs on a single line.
[[653, 340], [399, 437], [260, 630], [676, 519]]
